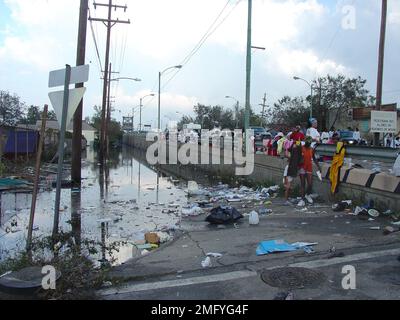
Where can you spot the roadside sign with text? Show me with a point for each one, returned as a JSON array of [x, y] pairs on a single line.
[[79, 74], [384, 121]]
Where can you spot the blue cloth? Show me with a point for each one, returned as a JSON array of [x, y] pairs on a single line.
[[271, 246]]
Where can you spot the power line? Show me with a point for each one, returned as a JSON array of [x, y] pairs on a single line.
[[95, 44], [208, 33], [211, 29]]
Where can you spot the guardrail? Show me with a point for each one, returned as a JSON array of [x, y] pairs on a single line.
[[365, 153]]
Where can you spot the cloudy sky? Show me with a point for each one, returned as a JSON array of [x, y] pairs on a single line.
[[306, 38]]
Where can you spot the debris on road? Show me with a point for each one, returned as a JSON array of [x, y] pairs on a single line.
[[152, 238], [223, 215], [253, 218], [206, 263], [273, 246], [214, 254]]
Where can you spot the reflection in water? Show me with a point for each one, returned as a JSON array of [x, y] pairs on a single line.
[[76, 219], [112, 193]]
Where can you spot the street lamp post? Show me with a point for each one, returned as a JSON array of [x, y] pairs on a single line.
[[236, 110], [140, 109], [311, 87], [159, 93]]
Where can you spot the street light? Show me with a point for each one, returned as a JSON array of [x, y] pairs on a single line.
[[311, 87], [237, 109], [140, 106], [159, 92], [127, 78]]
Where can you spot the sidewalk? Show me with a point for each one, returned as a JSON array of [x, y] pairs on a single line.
[[333, 231]]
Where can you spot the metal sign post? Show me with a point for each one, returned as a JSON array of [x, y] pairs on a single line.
[[61, 150], [65, 103]]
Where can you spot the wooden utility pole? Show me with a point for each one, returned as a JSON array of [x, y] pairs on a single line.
[[109, 23], [37, 177], [108, 114], [380, 65], [264, 105], [76, 157]]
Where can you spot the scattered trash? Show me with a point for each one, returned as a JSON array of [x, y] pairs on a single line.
[[341, 206], [371, 219], [163, 236], [223, 215], [194, 211], [206, 263], [375, 228], [214, 255], [145, 252], [253, 218], [373, 213], [152, 238], [264, 211], [272, 246]]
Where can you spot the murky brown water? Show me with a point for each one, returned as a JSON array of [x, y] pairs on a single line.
[[130, 198]]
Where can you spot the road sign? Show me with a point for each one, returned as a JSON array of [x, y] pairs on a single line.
[[384, 121], [79, 74], [57, 98]]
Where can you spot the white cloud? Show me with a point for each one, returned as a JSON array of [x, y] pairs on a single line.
[[299, 62]]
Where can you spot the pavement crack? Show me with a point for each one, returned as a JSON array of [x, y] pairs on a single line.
[[197, 243]]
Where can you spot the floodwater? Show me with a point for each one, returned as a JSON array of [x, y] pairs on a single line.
[[121, 204]]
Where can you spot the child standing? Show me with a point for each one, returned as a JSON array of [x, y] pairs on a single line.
[[305, 172], [294, 161]]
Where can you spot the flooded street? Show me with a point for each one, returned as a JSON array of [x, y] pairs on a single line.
[[122, 204]]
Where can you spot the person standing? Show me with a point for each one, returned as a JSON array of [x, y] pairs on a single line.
[[297, 135], [312, 132], [306, 172], [295, 159], [357, 135], [325, 136]]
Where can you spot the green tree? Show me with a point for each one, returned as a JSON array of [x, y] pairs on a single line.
[[11, 108], [288, 112], [335, 95]]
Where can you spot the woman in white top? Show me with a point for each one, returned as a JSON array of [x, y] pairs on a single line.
[[313, 132]]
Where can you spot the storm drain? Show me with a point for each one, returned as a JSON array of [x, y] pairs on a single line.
[[293, 278]]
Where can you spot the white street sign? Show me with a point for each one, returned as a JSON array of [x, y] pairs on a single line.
[[384, 121], [79, 74], [57, 98]]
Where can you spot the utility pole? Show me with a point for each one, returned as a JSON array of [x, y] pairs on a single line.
[[76, 157], [264, 104], [108, 113], [248, 69], [109, 23], [380, 65]]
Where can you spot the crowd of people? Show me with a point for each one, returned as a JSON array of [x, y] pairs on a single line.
[[298, 147]]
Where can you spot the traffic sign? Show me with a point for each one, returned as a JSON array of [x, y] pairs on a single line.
[[57, 99], [384, 121], [79, 74]]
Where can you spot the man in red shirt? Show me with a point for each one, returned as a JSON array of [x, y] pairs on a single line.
[[297, 135]]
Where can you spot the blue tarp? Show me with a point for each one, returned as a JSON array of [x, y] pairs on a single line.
[[272, 246], [26, 141]]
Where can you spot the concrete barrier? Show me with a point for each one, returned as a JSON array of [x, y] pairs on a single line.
[[359, 185]]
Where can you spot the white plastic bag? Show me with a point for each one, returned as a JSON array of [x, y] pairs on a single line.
[[206, 262], [253, 218]]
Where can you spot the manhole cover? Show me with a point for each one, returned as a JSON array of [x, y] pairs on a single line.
[[293, 278], [23, 281]]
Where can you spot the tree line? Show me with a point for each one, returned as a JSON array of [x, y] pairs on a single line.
[[332, 95]]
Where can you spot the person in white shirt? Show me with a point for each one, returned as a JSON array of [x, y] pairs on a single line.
[[313, 132], [325, 136], [357, 135]]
